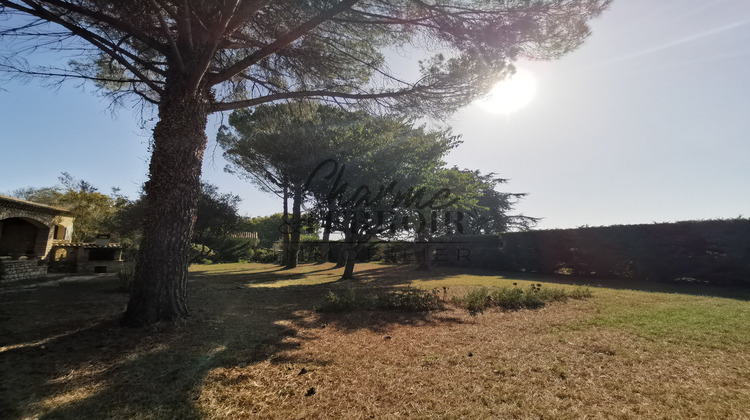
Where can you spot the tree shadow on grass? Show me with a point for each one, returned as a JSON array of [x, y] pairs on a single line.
[[272, 275], [379, 321], [383, 275], [64, 354], [106, 371]]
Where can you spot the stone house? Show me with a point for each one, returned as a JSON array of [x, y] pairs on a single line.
[[29, 229], [34, 237]]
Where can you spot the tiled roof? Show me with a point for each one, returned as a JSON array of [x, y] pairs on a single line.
[[18, 203]]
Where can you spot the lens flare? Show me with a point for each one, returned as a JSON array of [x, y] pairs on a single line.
[[511, 94]]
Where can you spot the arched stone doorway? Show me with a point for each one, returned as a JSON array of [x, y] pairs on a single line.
[[21, 236], [27, 232], [29, 229]]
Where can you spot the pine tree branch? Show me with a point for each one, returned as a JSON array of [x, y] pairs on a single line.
[[281, 42]]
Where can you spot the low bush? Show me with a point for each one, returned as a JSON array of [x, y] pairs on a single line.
[[200, 253], [232, 249], [475, 301], [406, 299], [514, 298], [344, 302], [409, 299], [265, 255]]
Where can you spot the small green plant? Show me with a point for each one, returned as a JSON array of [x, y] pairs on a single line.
[[475, 301], [343, 302], [580, 293], [558, 370], [409, 299]]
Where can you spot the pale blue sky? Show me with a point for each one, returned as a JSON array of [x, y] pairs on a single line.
[[649, 121]]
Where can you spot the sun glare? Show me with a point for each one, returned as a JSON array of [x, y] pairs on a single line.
[[510, 94]]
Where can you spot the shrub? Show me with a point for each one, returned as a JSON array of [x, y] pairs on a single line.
[[514, 298], [344, 302], [474, 301], [264, 255], [232, 249], [409, 299], [200, 252], [406, 299]]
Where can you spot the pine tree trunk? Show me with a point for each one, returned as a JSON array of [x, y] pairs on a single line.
[[422, 252], [296, 227], [285, 230], [348, 256], [159, 290], [325, 247], [349, 269], [344, 250]]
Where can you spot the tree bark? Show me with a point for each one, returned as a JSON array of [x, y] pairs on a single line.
[[354, 249], [159, 290], [349, 269], [325, 246], [294, 237], [285, 230], [422, 252], [350, 259], [343, 250]]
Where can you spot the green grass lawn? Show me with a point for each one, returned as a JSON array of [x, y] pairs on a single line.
[[255, 348]]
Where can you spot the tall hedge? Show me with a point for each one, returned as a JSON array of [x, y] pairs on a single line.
[[714, 251]]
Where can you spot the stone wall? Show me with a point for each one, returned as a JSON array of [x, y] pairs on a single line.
[[13, 270]]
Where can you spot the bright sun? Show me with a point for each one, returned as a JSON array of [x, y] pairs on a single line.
[[510, 94]]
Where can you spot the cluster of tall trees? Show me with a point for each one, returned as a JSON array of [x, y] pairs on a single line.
[[191, 58], [361, 175]]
